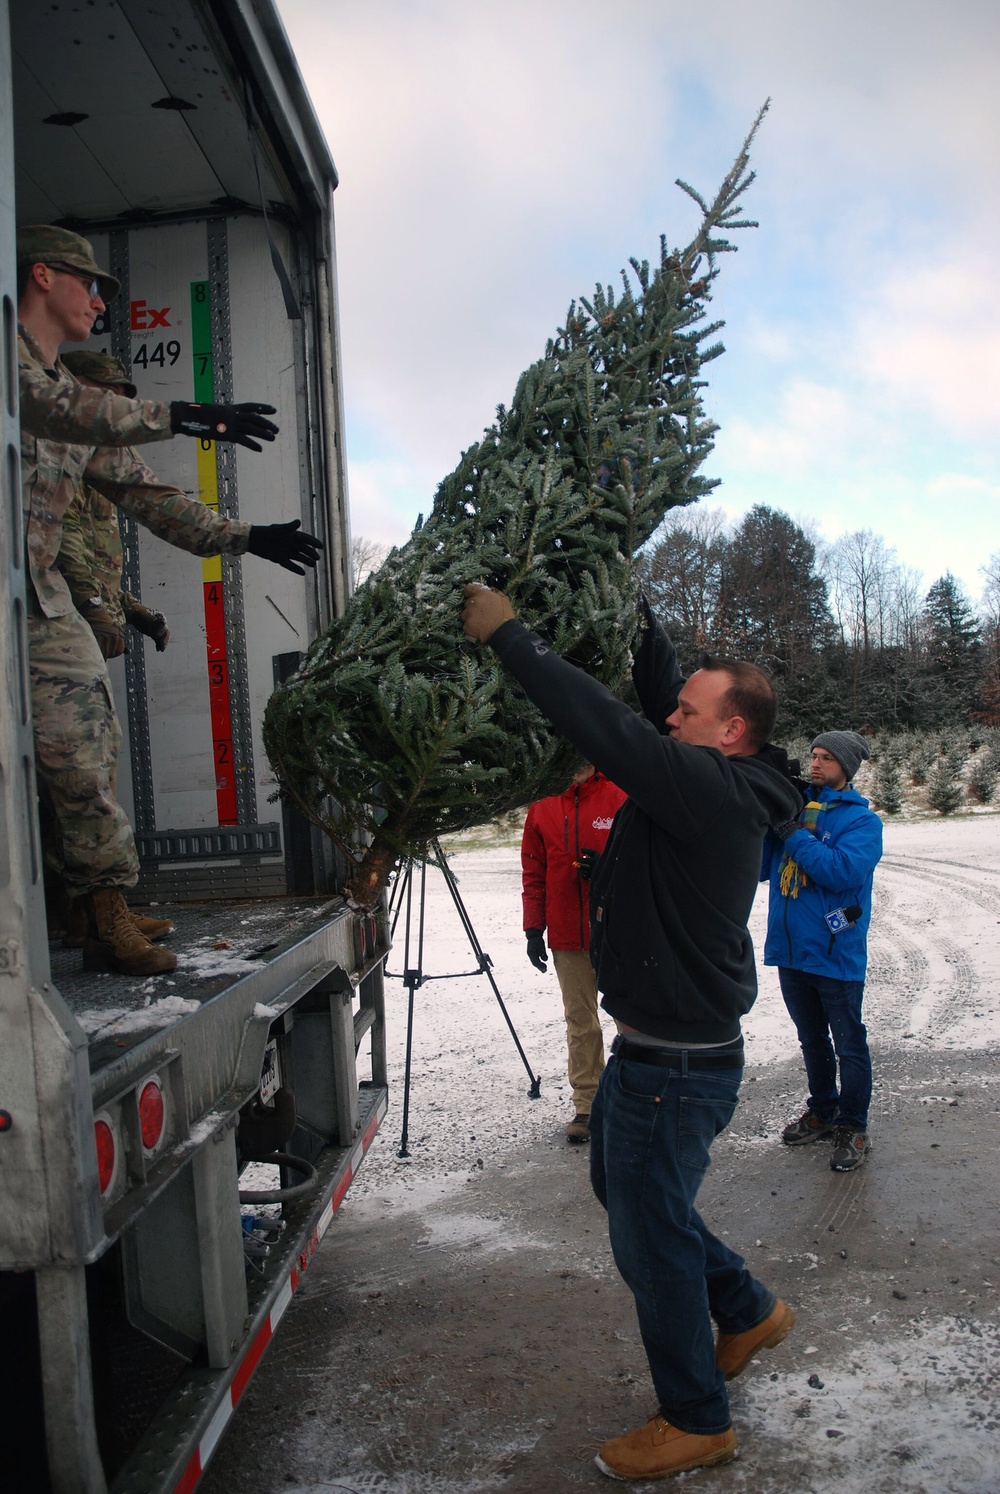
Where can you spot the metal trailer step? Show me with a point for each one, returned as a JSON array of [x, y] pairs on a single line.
[[173, 1455]]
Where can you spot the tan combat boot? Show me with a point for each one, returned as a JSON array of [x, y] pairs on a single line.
[[77, 925], [114, 943], [151, 928]]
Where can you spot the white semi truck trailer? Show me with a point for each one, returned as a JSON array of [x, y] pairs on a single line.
[[136, 1296]]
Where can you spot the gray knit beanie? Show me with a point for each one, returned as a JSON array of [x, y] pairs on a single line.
[[848, 747]]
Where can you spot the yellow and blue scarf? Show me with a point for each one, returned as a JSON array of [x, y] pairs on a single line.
[[791, 875]]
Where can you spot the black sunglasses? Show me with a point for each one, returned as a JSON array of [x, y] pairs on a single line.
[[92, 285]]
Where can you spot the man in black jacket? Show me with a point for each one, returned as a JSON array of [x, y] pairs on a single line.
[[670, 899]]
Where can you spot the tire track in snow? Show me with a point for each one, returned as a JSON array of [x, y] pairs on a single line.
[[930, 979]]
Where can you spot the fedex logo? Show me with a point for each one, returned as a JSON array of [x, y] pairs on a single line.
[[143, 318]]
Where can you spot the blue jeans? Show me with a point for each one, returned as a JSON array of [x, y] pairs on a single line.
[[821, 1008], [651, 1130]]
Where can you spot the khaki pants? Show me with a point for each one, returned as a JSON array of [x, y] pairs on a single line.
[[77, 737], [583, 1026]]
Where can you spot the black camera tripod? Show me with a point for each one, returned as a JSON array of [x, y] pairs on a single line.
[[413, 975]]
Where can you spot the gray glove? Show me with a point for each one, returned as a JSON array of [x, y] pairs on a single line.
[[537, 953]]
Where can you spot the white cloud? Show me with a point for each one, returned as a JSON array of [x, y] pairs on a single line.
[[930, 341], [803, 439], [386, 497]]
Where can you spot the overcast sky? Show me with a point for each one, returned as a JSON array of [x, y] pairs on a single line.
[[497, 160]]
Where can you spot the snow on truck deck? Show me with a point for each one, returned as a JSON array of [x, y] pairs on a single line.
[[216, 944], [463, 1328]]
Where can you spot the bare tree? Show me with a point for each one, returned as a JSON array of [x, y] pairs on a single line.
[[682, 570], [875, 598], [990, 611], [990, 606], [877, 603], [366, 556]]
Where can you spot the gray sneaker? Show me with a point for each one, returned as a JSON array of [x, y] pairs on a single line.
[[850, 1147], [808, 1127]]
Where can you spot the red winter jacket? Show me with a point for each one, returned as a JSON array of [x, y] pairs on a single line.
[[555, 831]]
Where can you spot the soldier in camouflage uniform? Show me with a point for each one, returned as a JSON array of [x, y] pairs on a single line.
[[72, 434], [90, 557], [91, 554]]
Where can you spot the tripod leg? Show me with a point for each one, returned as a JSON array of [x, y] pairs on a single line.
[[485, 963], [412, 978], [404, 1137], [404, 1150]]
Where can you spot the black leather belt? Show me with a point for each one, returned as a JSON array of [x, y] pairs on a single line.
[[671, 1058]]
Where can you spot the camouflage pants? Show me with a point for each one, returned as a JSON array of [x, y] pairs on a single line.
[[77, 738]]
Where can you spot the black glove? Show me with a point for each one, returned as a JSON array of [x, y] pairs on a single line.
[[223, 422], [537, 953], [281, 543], [586, 860], [153, 624], [786, 828]]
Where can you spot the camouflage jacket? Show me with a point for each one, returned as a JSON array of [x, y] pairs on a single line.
[[53, 465], [90, 555]]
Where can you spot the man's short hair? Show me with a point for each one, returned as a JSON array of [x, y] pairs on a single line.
[[751, 695]]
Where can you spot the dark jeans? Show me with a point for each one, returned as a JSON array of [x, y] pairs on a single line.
[[651, 1130], [822, 1008]]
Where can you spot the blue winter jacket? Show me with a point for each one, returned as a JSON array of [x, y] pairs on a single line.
[[816, 871]]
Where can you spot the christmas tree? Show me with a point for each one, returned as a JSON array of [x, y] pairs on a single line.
[[394, 722]]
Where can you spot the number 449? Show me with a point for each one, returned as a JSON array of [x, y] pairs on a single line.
[[164, 354]]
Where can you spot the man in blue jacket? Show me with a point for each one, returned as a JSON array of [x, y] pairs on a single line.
[[820, 868]]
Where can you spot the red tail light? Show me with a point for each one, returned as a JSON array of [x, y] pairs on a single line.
[[152, 1114], [104, 1139]]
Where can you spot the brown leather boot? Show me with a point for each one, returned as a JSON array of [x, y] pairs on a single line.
[[151, 928], [114, 943], [77, 926]]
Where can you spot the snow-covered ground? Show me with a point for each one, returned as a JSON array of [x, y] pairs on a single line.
[[931, 1392], [890, 1383], [934, 978]]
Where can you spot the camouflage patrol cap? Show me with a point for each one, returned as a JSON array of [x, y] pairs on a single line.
[[100, 368], [61, 249]]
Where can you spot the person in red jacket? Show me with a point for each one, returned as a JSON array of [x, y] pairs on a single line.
[[563, 837]]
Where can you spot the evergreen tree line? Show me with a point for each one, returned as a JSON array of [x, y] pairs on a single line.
[[955, 768], [846, 630]]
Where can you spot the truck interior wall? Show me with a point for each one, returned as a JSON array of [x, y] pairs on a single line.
[[168, 266]]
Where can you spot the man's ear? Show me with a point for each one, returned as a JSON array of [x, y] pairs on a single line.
[[735, 728], [42, 276]]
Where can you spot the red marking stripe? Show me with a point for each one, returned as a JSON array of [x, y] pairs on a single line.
[[250, 1361], [341, 1188], [218, 699], [191, 1475]]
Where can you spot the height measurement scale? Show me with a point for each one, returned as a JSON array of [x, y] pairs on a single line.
[[211, 568]]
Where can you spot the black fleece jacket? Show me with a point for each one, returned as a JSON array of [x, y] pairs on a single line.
[[672, 893]]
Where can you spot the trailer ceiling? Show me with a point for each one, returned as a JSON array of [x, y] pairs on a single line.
[[129, 108]]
